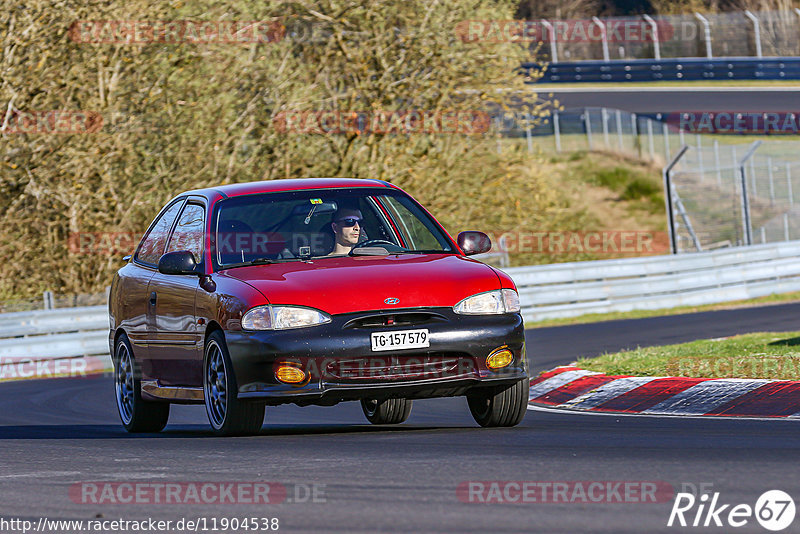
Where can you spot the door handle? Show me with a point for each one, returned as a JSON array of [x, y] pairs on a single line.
[[153, 298]]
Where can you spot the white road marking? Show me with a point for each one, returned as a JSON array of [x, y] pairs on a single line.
[[557, 381], [606, 392], [705, 396]]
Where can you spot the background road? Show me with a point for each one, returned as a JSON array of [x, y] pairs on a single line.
[[58, 432], [665, 100]]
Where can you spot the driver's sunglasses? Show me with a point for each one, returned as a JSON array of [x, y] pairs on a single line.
[[347, 222]]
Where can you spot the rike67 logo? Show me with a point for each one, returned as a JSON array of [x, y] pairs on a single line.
[[774, 510]]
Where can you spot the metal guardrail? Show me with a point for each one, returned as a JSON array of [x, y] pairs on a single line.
[[682, 69], [546, 291], [572, 289]]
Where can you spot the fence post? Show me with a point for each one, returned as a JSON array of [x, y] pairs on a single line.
[[706, 33], [557, 130], [49, 303], [602, 27], [699, 147], [650, 139], [665, 133], [604, 118], [635, 131], [756, 31], [771, 183], [553, 46], [618, 117], [753, 176], [716, 163], [789, 184], [587, 122], [763, 235], [667, 175], [786, 226], [656, 43], [746, 223]]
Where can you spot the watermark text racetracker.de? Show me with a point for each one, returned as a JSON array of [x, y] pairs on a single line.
[[195, 492], [576, 242], [564, 492], [194, 524]]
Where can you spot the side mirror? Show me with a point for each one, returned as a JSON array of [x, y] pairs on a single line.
[[178, 262], [474, 243]]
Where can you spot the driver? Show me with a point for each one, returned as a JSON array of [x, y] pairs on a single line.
[[346, 227]]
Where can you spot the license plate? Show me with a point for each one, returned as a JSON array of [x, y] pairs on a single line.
[[401, 339]]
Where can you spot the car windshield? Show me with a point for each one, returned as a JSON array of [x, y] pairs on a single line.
[[314, 224]]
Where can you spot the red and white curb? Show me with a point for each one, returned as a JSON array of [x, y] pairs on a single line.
[[570, 387]]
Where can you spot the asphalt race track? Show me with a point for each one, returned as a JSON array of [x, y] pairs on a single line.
[[56, 433], [679, 98]]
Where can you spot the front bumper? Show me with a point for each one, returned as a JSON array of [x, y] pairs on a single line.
[[340, 364]]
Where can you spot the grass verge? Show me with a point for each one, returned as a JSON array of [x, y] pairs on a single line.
[[782, 298], [761, 355]]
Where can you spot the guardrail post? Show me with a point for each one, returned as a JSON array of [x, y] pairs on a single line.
[[746, 223], [716, 163], [557, 130], [49, 303], [604, 119], [756, 31], [706, 33], [667, 174], [587, 122], [553, 46], [602, 27], [656, 43], [789, 184]]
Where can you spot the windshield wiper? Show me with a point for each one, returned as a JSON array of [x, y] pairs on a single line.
[[262, 261]]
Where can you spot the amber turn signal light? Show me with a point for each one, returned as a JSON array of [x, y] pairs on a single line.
[[290, 374], [499, 358]]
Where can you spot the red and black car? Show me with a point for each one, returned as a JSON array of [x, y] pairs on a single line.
[[311, 291]]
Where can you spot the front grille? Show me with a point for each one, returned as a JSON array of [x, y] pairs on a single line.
[[399, 368], [394, 319]]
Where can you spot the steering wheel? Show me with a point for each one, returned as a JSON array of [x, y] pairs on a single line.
[[373, 242]]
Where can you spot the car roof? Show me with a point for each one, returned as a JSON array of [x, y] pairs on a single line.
[[270, 186]]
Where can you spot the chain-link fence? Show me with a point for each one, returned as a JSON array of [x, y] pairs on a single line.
[[737, 194], [756, 34], [725, 192]]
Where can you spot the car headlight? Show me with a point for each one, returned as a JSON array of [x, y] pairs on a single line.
[[490, 302], [282, 317]]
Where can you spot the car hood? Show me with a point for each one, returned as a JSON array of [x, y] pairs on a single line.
[[360, 283]]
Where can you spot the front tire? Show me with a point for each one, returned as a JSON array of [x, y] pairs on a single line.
[[387, 411], [503, 406], [136, 414], [228, 415]]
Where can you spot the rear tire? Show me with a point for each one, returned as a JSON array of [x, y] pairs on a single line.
[[503, 406], [387, 411], [228, 415], [136, 414]]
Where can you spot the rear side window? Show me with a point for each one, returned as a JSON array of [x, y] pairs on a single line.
[[188, 233], [154, 243]]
